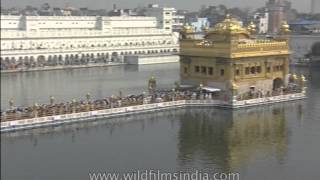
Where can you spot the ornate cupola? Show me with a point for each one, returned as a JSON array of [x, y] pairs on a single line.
[[228, 29], [252, 28], [285, 28], [187, 32]]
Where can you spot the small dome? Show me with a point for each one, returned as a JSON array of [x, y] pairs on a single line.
[[187, 29], [205, 28], [229, 25], [252, 27], [285, 28], [233, 85]]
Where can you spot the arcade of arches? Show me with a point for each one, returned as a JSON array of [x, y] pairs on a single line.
[[73, 59]]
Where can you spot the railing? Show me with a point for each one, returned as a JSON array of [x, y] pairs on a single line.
[[31, 122], [265, 46], [266, 100], [81, 33], [86, 49]]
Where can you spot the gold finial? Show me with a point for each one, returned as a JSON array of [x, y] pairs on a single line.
[[187, 29], [228, 16], [229, 26], [251, 28], [234, 86], [302, 80], [205, 29], [294, 76], [285, 28]]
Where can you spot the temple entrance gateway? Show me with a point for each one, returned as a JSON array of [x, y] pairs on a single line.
[[277, 83]]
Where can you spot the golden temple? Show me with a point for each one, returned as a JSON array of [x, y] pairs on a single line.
[[231, 58]]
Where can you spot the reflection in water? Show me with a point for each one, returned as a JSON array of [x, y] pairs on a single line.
[[228, 140], [204, 138]]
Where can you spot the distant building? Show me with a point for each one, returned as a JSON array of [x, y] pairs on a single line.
[[199, 23], [58, 39], [57, 11], [276, 15], [178, 22], [167, 17], [305, 26], [122, 12], [262, 21], [67, 11]]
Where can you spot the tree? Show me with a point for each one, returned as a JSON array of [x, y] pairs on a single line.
[[45, 6]]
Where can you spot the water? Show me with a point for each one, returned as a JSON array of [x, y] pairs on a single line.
[[276, 142], [301, 45], [36, 87]]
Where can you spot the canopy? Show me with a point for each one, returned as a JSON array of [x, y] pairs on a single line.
[[211, 89]]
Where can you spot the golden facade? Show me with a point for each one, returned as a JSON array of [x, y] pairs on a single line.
[[231, 58]]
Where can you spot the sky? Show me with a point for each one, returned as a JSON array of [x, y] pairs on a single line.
[[193, 5]]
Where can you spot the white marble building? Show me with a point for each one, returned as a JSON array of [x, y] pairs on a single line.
[[61, 38], [262, 20], [167, 17]]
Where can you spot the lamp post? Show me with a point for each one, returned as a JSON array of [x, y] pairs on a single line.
[[173, 94], [152, 85], [302, 84], [111, 101], [201, 87], [88, 96], [144, 97], [52, 100], [120, 93], [52, 103], [74, 101], [11, 103], [35, 109], [234, 91]]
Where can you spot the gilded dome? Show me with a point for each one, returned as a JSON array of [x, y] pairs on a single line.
[[229, 25], [187, 29], [205, 29], [285, 28], [252, 27]]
